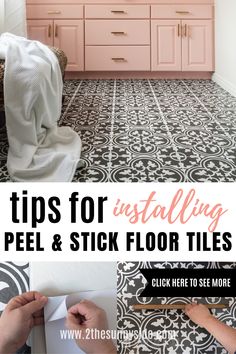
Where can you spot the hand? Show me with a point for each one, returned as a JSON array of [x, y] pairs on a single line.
[[198, 313], [84, 318], [22, 313]]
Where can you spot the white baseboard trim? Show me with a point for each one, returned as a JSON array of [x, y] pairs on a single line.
[[225, 84]]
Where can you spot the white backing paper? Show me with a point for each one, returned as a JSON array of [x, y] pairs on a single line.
[[55, 313]]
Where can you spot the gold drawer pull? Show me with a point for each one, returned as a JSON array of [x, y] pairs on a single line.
[[118, 59], [56, 31], [118, 11], [182, 12], [185, 30], [118, 33], [49, 31], [178, 30], [54, 12]]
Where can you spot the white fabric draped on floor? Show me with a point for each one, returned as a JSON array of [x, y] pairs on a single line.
[[39, 150]]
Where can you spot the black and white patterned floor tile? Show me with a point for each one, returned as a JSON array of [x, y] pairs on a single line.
[[14, 280], [189, 338], [149, 130]]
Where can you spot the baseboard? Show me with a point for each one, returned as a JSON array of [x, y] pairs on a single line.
[[138, 75], [225, 84]]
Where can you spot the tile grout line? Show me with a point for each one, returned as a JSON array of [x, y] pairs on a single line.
[[111, 133], [71, 101], [206, 109], [168, 131], [205, 124]]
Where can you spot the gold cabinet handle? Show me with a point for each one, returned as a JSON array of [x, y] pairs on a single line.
[[185, 30], [56, 31], [50, 31], [182, 12], [118, 33], [118, 59], [178, 30], [54, 12], [118, 11]]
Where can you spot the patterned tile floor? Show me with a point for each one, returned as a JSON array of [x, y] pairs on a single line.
[[149, 130], [189, 338]]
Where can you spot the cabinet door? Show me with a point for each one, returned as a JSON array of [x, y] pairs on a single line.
[[41, 30], [197, 46], [166, 45], [69, 36]]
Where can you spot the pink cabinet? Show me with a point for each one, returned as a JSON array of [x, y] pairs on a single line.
[[117, 32], [59, 25], [41, 31], [166, 45], [69, 36], [129, 35], [197, 45], [117, 58], [117, 38], [185, 45]]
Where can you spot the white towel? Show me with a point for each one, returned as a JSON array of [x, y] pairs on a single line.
[[39, 150]]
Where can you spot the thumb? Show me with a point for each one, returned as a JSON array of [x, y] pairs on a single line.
[[72, 321], [35, 305]]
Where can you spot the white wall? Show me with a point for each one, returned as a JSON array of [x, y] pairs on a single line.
[[2, 15], [225, 74], [13, 17]]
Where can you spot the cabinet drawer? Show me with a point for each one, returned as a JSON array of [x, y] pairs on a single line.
[[54, 11], [120, 32], [182, 11], [117, 58], [117, 11]]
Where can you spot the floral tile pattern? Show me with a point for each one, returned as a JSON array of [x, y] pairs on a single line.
[[177, 334], [149, 131]]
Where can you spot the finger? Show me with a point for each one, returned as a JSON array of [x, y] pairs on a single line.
[[38, 321], [187, 308], [85, 308], [23, 299], [73, 322], [39, 313], [203, 306], [35, 306]]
